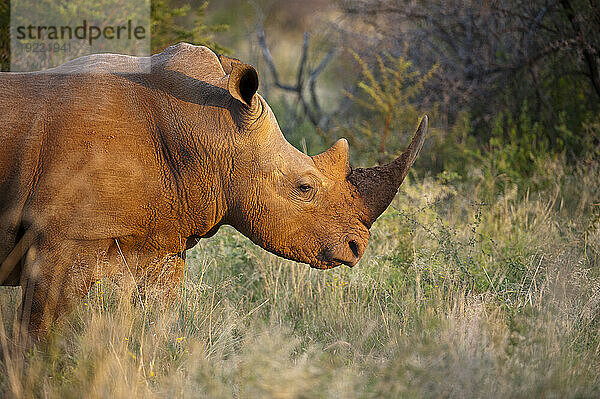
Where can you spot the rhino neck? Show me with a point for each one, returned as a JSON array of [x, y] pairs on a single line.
[[191, 164], [259, 163]]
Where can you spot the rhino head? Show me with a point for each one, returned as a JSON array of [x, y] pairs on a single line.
[[316, 210]]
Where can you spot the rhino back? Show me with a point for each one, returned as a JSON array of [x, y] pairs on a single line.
[[81, 143]]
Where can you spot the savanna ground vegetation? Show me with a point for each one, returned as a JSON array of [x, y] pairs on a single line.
[[482, 279]]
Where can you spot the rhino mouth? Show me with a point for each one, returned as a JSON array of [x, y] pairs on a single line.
[[339, 262], [327, 260], [324, 259], [326, 265]]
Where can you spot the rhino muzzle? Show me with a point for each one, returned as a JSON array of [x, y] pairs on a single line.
[[348, 252]]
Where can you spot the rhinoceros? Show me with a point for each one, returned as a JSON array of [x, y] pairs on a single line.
[[105, 166]]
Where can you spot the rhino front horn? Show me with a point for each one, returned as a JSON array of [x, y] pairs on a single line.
[[377, 186]]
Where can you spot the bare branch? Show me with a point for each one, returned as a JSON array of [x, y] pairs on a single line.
[[313, 78], [588, 53], [300, 77], [311, 109], [270, 63]]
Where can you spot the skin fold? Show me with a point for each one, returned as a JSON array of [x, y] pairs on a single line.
[[106, 169]]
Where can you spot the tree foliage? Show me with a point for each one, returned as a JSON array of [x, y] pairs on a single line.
[[170, 26], [388, 93], [4, 35], [496, 56]]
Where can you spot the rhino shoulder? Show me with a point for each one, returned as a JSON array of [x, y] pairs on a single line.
[[197, 62]]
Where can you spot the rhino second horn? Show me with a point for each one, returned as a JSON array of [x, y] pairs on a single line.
[[377, 186], [335, 162]]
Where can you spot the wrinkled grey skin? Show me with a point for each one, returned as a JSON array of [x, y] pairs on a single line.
[[105, 172]]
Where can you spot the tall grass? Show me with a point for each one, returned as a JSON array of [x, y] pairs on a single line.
[[457, 296]]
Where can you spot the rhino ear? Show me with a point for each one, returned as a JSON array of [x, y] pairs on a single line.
[[227, 63], [243, 82], [334, 162]]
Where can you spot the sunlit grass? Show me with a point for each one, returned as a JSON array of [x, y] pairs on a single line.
[[455, 297]]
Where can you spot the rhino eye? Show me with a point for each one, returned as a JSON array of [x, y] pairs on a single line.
[[304, 188]]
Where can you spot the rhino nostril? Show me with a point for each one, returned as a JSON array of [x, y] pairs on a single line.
[[353, 247]]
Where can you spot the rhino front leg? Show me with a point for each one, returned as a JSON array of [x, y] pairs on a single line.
[[57, 276], [162, 278]]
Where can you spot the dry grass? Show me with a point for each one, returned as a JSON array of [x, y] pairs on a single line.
[[454, 298]]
